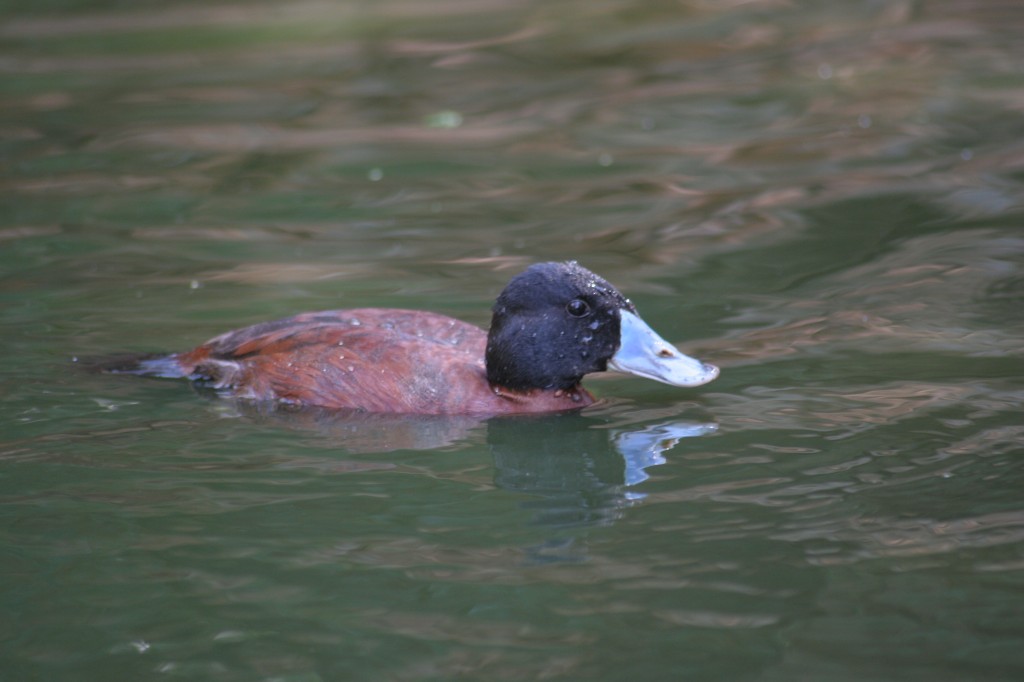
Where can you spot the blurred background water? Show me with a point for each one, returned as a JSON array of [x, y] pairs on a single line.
[[823, 198]]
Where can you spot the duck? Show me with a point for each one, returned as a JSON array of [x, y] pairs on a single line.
[[553, 324]]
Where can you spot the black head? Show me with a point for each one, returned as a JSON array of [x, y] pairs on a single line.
[[552, 324]]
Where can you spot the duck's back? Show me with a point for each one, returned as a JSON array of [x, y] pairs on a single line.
[[373, 359]]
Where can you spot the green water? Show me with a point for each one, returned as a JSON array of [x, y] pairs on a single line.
[[825, 199]]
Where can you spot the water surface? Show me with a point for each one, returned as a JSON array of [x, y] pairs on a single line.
[[823, 198]]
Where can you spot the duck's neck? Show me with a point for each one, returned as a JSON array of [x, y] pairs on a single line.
[[517, 367], [544, 400]]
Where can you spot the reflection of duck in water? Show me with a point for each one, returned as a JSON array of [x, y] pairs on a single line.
[[577, 469], [553, 324]]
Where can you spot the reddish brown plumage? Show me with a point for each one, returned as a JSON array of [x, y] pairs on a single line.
[[378, 360]]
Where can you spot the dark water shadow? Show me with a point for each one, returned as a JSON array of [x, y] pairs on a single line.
[[364, 432]]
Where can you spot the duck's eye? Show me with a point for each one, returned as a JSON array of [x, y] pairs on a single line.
[[578, 308]]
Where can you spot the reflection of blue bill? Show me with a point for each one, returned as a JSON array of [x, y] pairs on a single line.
[[643, 448]]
